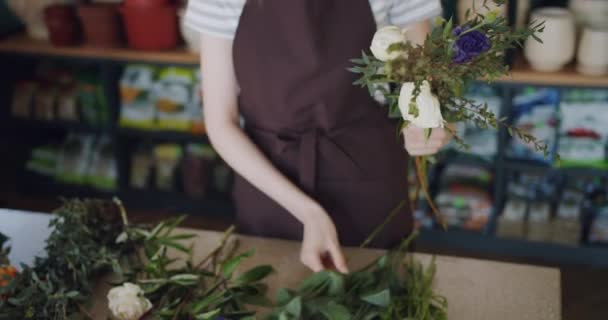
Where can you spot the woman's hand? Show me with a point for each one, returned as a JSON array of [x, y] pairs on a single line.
[[320, 246], [418, 144]]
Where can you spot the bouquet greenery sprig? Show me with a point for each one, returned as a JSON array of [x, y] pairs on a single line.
[[424, 85]]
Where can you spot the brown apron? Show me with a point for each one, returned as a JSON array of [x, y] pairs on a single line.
[[302, 110]]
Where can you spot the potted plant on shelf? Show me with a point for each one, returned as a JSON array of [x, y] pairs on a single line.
[[151, 25], [101, 24]]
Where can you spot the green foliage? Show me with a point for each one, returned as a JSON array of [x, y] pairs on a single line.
[[92, 238], [80, 248], [433, 62], [393, 287]]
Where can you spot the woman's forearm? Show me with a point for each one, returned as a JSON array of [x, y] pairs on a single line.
[[222, 122], [245, 158]]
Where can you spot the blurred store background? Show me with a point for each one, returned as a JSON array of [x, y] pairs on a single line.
[[102, 99]]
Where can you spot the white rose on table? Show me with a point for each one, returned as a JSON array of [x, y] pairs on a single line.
[[383, 39], [429, 109], [127, 302]]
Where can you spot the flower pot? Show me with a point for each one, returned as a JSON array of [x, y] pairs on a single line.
[[151, 28], [62, 24], [559, 40], [146, 3], [191, 37], [31, 12], [593, 52], [102, 25], [591, 13]]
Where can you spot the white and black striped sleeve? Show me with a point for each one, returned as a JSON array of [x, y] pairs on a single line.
[[218, 18], [405, 12]]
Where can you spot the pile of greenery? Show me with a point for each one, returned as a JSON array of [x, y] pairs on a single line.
[[93, 238], [392, 287]]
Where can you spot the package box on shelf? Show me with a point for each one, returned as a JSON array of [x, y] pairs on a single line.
[[535, 113], [198, 169], [167, 159], [137, 107], [44, 102], [102, 173], [584, 133], [23, 98], [172, 94], [566, 225], [511, 223], [195, 106], [75, 158], [539, 226], [92, 100], [142, 162]]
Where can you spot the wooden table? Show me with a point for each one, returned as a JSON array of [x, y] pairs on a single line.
[[475, 289]]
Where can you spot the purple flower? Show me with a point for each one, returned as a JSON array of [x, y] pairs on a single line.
[[469, 45]]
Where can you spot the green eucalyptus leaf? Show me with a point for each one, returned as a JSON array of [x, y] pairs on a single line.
[[294, 307], [381, 299], [253, 275], [335, 311], [208, 315], [230, 265]]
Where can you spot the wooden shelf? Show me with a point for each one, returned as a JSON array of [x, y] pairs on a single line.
[[523, 73], [23, 45]]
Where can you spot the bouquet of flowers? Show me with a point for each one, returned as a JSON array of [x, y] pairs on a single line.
[[424, 85]]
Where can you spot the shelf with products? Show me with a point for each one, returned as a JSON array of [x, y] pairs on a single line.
[[72, 126], [494, 247], [162, 135]]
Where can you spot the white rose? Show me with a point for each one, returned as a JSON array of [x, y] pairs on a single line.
[[127, 302], [429, 109], [383, 39]]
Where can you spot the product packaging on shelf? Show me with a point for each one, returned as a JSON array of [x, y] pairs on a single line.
[[567, 227], [142, 162], [584, 131], [75, 158], [464, 198], [102, 172], [539, 217], [137, 107], [198, 169], [171, 94], [23, 98], [44, 102], [535, 113], [167, 159], [195, 105], [44, 160], [512, 221]]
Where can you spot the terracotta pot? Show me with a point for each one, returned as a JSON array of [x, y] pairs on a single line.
[[151, 28], [102, 25], [559, 40], [146, 3], [62, 24]]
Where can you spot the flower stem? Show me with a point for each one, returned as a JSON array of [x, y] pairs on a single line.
[[386, 221], [422, 180]]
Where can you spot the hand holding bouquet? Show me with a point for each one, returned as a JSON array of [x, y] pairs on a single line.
[[424, 85]]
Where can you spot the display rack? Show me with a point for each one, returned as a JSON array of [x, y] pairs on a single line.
[[111, 61]]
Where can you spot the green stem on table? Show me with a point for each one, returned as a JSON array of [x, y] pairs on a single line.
[[218, 248]]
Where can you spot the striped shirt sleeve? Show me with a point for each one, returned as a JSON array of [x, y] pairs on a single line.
[[405, 12], [218, 18]]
